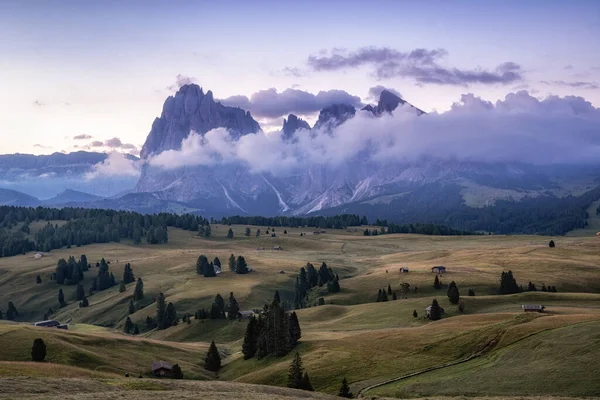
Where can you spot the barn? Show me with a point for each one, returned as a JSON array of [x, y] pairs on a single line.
[[533, 308], [162, 369]]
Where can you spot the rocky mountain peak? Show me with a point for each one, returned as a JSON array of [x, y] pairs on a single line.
[[191, 109], [335, 115], [387, 103], [292, 124]]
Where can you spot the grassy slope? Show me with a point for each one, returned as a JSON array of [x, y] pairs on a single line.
[[368, 343]]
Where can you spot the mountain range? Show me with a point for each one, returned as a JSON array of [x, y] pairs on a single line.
[[422, 190]]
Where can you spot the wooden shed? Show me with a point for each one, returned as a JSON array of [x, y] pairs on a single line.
[[162, 369], [533, 308]]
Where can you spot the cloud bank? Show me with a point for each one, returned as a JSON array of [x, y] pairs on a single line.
[[519, 128], [112, 144], [116, 164], [270, 103], [422, 65]]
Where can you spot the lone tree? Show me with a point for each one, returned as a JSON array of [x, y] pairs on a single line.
[[415, 314], [230, 234], [201, 264], [128, 274], [345, 390], [551, 244], [305, 385], [436, 283], [232, 263], [248, 231], [131, 307], [38, 350], [241, 267], [453, 294], [435, 312], [295, 374], [212, 362], [11, 312], [233, 308], [38, 279], [122, 287], [161, 312], [128, 328], [61, 298], [138, 293], [471, 292]]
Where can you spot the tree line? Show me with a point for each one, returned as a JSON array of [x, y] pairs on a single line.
[[332, 222]]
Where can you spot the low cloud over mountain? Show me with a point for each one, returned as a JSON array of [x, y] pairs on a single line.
[[519, 128]]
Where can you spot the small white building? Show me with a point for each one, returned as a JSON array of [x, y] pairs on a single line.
[[38, 255]]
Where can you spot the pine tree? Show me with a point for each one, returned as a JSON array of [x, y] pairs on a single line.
[[128, 328], [508, 284], [345, 390], [257, 232], [171, 315], [212, 362], [122, 287], [394, 297], [136, 330], [436, 283], [435, 312], [250, 339], [80, 293], [38, 279], [177, 372], [209, 271], [38, 350], [294, 328], [161, 311], [453, 294], [305, 385], [240, 266], [217, 262], [551, 244], [295, 374], [471, 292], [232, 263], [201, 264], [389, 290], [84, 302], [276, 298], [233, 307], [207, 231], [415, 314], [230, 234], [248, 232], [61, 298], [217, 310], [138, 293], [128, 274], [131, 307]]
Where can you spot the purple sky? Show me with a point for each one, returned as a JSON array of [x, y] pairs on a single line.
[[103, 69]]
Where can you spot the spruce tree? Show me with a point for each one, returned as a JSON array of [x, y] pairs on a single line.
[[230, 234], [136, 330], [138, 293], [389, 290], [209, 271], [232, 263], [415, 314], [250, 339], [170, 315], [84, 302], [453, 294], [122, 287], [295, 374], [201, 264], [80, 293], [294, 328], [11, 312], [61, 298], [551, 244], [161, 311], [394, 297], [241, 267], [248, 232], [177, 372], [131, 307], [345, 390], [435, 312], [128, 274], [233, 307], [38, 279], [207, 231], [508, 284], [212, 362], [471, 292], [306, 385], [38, 350], [436, 283], [128, 328], [217, 262]]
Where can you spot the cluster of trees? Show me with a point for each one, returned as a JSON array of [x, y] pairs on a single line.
[[220, 310], [508, 283], [70, 272], [532, 288], [453, 293], [275, 332], [86, 226], [165, 317], [309, 278], [385, 295], [422, 229], [335, 222], [238, 265], [205, 268], [130, 327]]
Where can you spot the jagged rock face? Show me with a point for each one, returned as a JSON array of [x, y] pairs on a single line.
[[292, 124], [388, 102], [334, 115], [191, 109]]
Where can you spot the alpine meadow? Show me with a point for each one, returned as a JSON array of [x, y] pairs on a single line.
[[300, 200]]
